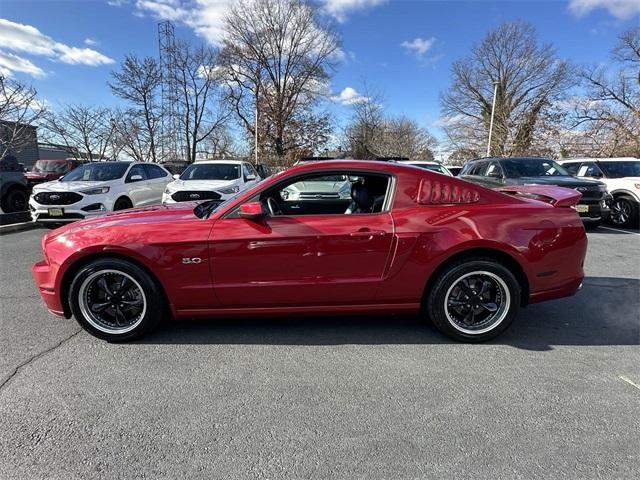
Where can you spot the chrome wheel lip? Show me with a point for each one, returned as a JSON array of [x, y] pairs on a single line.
[[500, 315], [89, 315]]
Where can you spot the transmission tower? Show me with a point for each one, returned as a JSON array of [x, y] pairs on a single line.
[[170, 121]]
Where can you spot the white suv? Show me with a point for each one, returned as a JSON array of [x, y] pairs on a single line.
[[96, 188], [622, 177], [211, 180]]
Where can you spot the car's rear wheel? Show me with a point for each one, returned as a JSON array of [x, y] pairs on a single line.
[[122, 204], [115, 300], [624, 212], [473, 300]]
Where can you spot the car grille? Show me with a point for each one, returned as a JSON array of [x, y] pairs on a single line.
[[589, 191], [57, 198], [194, 196], [66, 216]]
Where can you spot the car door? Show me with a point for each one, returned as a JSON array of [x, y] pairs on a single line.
[[158, 179], [137, 185], [300, 260]]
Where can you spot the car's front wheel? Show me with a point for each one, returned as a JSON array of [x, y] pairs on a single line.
[[115, 300], [473, 300]]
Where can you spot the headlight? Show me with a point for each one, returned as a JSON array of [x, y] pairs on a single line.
[[637, 185], [167, 191], [95, 191], [602, 188], [229, 190]]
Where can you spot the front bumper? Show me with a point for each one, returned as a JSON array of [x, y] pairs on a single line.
[[44, 278], [596, 210], [88, 206]]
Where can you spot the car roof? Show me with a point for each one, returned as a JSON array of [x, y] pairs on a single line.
[[602, 159], [209, 162], [424, 162], [350, 164]]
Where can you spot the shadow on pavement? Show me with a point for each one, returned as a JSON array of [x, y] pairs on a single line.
[[604, 312]]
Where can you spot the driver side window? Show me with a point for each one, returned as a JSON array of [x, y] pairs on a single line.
[[329, 194]]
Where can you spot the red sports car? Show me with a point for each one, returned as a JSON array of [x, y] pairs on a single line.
[[325, 237]]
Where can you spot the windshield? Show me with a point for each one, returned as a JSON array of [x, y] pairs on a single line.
[[97, 172], [532, 167], [43, 166], [629, 168], [211, 171]]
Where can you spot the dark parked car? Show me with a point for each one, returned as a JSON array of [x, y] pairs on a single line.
[[13, 186], [499, 172]]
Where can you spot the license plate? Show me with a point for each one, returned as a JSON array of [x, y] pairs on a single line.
[[56, 212], [582, 208]]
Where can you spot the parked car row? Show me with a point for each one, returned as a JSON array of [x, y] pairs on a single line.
[[98, 187]]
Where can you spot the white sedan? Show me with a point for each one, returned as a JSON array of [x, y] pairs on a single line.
[[211, 180], [96, 188]]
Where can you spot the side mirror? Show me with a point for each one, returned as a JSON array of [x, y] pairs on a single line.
[[176, 176], [251, 177], [251, 210], [135, 178]]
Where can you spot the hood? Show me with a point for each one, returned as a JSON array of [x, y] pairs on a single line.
[[144, 215], [561, 181], [57, 186], [195, 185]]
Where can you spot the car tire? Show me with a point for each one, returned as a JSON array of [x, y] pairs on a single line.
[[122, 204], [116, 300], [492, 291], [624, 212], [15, 200]]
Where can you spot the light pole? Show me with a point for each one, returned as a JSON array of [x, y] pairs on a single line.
[[493, 111]]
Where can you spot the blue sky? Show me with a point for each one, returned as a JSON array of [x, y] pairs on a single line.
[[403, 49]]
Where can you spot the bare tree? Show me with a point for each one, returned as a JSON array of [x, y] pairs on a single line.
[[529, 76], [202, 111], [276, 58], [609, 114], [138, 82], [372, 134], [19, 109], [86, 131]]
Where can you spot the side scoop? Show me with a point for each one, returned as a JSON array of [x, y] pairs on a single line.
[[556, 196]]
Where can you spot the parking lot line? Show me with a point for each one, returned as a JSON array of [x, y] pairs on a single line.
[[619, 230], [625, 379]]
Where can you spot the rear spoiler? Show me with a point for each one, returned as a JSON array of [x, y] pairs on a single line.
[[556, 196]]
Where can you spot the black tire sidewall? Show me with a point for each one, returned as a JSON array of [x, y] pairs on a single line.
[[436, 298], [119, 204], [634, 214], [10, 199], [154, 298]]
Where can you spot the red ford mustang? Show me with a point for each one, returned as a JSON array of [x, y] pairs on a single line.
[[333, 238]]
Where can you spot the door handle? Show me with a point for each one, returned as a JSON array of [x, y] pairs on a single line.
[[367, 233]]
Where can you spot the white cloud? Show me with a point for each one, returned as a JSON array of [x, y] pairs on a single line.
[[10, 63], [91, 42], [21, 38], [419, 46], [339, 9], [206, 17], [617, 8], [349, 96]]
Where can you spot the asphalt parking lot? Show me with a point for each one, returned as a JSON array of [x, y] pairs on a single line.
[[557, 396]]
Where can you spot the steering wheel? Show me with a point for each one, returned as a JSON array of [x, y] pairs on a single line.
[[274, 208]]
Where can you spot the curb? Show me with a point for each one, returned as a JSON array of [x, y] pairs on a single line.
[[18, 227]]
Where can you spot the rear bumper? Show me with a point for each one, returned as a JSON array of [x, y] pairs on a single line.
[[567, 290], [44, 279]]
